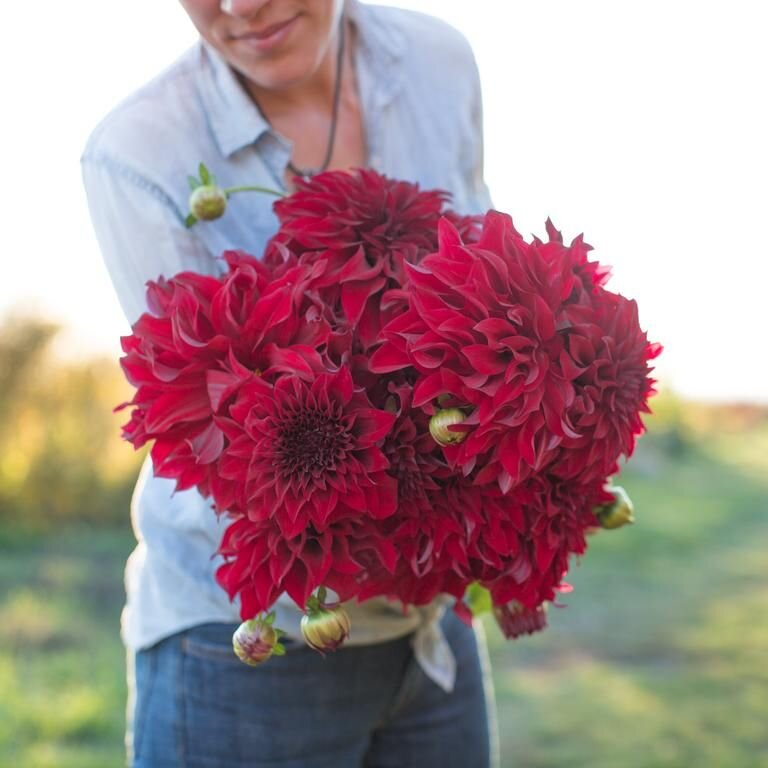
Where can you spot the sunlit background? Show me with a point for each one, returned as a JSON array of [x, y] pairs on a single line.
[[642, 125]]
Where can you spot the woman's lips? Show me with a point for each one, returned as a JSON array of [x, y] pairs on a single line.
[[268, 37]]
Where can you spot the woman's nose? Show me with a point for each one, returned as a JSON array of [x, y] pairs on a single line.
[[243, 8]]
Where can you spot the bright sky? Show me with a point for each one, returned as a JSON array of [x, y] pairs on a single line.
[[642, 124]]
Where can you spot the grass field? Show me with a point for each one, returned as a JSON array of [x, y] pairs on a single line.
[[660, 658]]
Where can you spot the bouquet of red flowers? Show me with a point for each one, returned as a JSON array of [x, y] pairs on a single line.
[[395, 401]]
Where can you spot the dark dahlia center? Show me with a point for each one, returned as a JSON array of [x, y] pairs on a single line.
[[410, 484], [312, 442], [410, 481]]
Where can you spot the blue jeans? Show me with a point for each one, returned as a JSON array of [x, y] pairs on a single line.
[[198, 706]]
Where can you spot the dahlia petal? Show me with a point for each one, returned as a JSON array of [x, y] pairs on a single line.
[[207, 446], [270, 310], [373, 461], [357, 268], [544, 320], [298, 584], [387, 554], [544, 555], [292, 523], [176, 407], [317, 561], [388, 358], [281, 562], [484, 360], [382, 499], [221, 385], [372, 425], [447, 234], [431, 386], [510, 456], [505, 481], [355, 498], [293, 361], [495, 329], [342, 560], [355, 296]]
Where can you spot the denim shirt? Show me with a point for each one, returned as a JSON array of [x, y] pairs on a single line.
[[420, 97]]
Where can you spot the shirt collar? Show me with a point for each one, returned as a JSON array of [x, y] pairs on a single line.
[[381, 42], [381, 45], [235, 119]]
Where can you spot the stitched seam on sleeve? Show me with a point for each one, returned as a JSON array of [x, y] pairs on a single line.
[[135, 178]]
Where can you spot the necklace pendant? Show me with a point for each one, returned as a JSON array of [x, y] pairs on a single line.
[[305, 174]]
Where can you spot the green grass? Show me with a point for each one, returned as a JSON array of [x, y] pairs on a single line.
[[660, 658], [62, 688]]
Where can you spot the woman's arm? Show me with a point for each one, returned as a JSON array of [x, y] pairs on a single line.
[[478, 189], [140, 232]]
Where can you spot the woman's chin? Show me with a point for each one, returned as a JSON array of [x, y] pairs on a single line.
[[280, 75]]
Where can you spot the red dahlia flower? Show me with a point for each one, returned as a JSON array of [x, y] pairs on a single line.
[[207, 336], [550, 518], [436, 546], [611, 391], [366, 227], [306, 452], [348, 210], [298, 393], [488, 329], [262, 562], [515, 619]]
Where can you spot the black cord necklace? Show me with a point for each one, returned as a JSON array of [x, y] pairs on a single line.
[[308, 173]]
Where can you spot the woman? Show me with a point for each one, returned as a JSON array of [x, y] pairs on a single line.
[[274, 89]]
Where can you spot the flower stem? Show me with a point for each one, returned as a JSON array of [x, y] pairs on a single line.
[[266, 190]]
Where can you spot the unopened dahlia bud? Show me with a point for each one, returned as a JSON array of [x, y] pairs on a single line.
[[325, 626], [439, 423], [256, 640], [514, 619], [619, 512], [208, 202]]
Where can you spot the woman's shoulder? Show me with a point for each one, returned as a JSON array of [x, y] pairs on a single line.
[[431, 51], [420, 26], [146, 125]]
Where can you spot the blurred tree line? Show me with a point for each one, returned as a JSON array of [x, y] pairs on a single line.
[[61, 455]]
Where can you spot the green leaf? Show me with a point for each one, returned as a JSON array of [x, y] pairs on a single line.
[[205, 177], [278, 649], [270, 618], [193, 183], [478, 598], [190, 221]]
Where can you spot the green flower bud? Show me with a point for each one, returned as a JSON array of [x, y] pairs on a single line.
[[208, 202], [439, 423], [256, 640], [617, 513], [325, 626]]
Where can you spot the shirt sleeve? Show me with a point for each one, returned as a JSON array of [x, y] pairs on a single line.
[[140, 232]]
